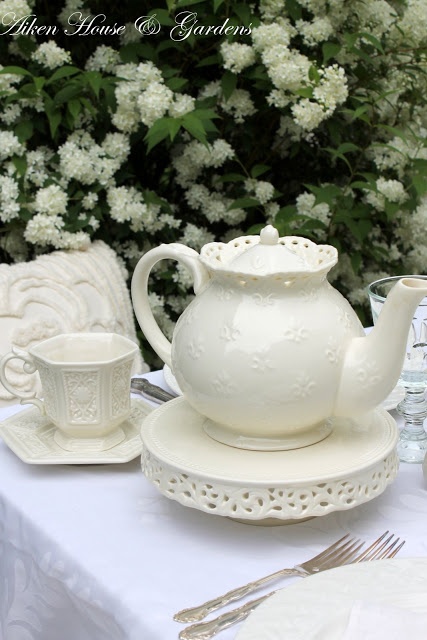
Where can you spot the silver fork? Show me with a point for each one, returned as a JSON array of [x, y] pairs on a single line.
[[342, 552]]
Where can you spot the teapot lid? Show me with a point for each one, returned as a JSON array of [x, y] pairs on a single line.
[[269, 256]]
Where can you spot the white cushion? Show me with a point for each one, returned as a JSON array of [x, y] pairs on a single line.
[[61, 292]]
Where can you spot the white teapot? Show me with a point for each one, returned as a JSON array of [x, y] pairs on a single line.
[[268, 351]]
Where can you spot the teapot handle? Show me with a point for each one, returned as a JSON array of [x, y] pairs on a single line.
[[139, 290]]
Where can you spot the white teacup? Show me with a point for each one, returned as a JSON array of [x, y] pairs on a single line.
[[85, 379]]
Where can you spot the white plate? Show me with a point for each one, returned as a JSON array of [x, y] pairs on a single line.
[[318, 607], [171, 380], [29, 435]]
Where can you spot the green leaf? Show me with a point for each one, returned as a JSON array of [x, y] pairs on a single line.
[[187, 3], [74, 107], [20, 163], [63, 72], [313, 74], [304, 92], [391, 209], [194, 126], [209, 61], [95, 81], [373, 40], [24, 130], [328, 193], [176, 84], [347, 147], [17, 71], [68, 92], [39, 82], [330, 50], [54, 118], [228, 84], [356, 261], [232, 177], [173, 126], [217, 4], [294, 9], [365, 186], [259, 169], [243, 203], [162, 15], [156, 133], [243, 12]]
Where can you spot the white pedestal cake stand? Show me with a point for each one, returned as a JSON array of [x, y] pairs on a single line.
[[353, 465]]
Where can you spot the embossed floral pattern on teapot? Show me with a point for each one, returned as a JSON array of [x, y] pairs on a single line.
[[268, 351]]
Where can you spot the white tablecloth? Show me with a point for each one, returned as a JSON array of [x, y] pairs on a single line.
[[96, 553]]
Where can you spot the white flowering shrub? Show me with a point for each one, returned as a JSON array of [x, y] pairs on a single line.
[[308, 114]]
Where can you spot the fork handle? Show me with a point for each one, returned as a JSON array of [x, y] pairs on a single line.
[[206, 630], [193, 614]]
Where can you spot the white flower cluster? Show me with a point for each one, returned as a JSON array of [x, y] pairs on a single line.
[[237, 56], [9, 145], [142, 96], [16, 8], [240, 105], [306, 205], [9, 193], [289, 71], [386, 190], [8, 80], [260, 189], [213, 205], [83, 160], [49, 55], [47, 230], [319, 30], [104, 58], [51, 200], [196, 156], [412, 26], [196, 236], [331, 91], [37, 166], [127, 205]]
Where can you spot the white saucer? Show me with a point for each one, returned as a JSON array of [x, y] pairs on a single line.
[[171, 380], [30, 436], [354, 464], [318, 607]]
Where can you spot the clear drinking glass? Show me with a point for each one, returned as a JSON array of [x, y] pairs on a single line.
[[412, 445]]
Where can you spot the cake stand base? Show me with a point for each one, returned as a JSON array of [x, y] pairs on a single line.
[[353, 465]]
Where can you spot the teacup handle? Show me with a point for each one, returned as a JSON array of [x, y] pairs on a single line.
[[139, 288], [29, 367]]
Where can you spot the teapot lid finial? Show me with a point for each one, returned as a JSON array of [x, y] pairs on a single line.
[[269, 255], [269, 235]]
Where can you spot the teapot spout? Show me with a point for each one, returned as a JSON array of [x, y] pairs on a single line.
[[373, 363]]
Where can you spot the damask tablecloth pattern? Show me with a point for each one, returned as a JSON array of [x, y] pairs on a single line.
[[96, 553]]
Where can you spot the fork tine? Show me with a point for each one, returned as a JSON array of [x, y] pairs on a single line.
[[331, 548], [365, 555], [345, 556], [380, 549], [331, 554], [390, 550], [396, 551]]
